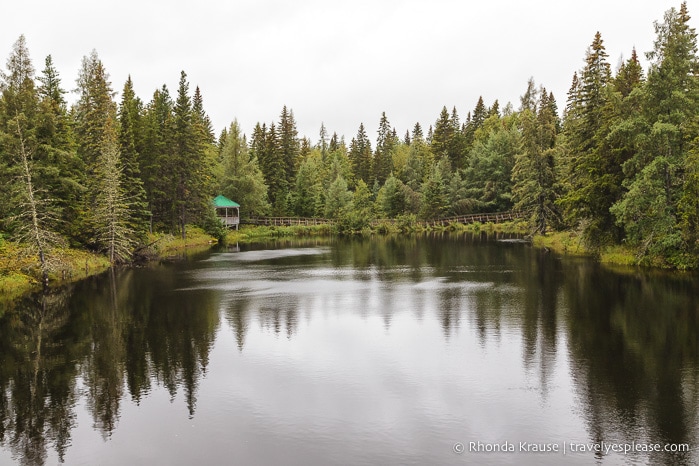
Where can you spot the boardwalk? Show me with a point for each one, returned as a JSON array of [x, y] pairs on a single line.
[[286, 221], [494, 217]]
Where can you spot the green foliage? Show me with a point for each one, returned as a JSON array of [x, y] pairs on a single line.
[[240, 176], [435, 193], [308, 197], [385, 146], [338, 198], [360, 156], [130, 145], [622, 166], [533, 173], [110, 214], [390, 201], [407, 223], [656, 212], [489, 172]]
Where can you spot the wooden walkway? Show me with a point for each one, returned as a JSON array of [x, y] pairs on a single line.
[[494, 217], [286, 221]]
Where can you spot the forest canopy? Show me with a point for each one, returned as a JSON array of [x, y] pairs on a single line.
[[618, 162]]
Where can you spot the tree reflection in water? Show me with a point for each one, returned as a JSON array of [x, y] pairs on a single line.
[[114, 333], [630, 339]]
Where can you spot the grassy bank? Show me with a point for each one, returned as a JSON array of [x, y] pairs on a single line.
[[19, 271], [571, 244], [251, 233], [162, 245]]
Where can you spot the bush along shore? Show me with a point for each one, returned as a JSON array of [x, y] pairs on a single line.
[[571, 243], [20, 270], [403, 225]]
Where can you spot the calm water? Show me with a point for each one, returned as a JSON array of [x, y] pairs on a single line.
[[387, 351]]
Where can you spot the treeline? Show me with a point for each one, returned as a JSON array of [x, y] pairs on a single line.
[[621, 165]]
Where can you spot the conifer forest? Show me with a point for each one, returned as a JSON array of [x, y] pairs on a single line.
[[616, 159]]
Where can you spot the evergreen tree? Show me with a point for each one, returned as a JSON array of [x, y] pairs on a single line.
[[657, 211], [360, 156], [95, 106], [593, 171], [533, 174], [201, 119], [289, 146], [274, 169], [385, 145], [435, 194], [18, 106], [309, 193], [489, 174], [130, 144], [191, 194], [110, 213], [480, 113], [157, 160], [58, 170], [629, 76], [95, 114], [334, 143], [390, 200], [323, 141], [417, 132], [528, 100], [441, 139], [338, 198], [241, 177]]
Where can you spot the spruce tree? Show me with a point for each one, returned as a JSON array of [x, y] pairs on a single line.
[[156, 159], [289, 146], [110, 213], [130, 145], [191, 194], [360, 156], [534, 174], [435, 193], [95, 106], [59, 170], [241, 178], [19, 104], [658, 210], [385, 145], [442, 136], [593, 174]]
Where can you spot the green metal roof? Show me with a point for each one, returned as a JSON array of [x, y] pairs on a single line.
[[223, 201]]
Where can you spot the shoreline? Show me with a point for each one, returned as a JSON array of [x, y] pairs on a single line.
[[17, 277], [18, 270]]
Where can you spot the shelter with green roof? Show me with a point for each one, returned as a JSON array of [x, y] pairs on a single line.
[[227, 211]]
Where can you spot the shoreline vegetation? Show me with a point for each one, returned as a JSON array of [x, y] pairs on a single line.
[[20, 272], [616, 166]]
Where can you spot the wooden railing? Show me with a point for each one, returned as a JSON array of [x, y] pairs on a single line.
[[494, 217], [228, 221], [285, 221]]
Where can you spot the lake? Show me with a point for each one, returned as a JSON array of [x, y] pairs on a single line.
[[425, 350]]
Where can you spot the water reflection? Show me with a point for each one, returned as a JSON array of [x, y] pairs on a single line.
[[382, 350], [98, 340], [634, 348], [37, 378]]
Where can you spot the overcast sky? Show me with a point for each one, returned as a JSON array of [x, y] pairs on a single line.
[[335, 62]]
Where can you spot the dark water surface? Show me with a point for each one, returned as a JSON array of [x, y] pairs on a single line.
[[387, 351]]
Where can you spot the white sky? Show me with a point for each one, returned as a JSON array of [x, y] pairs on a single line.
[[340, 63]]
